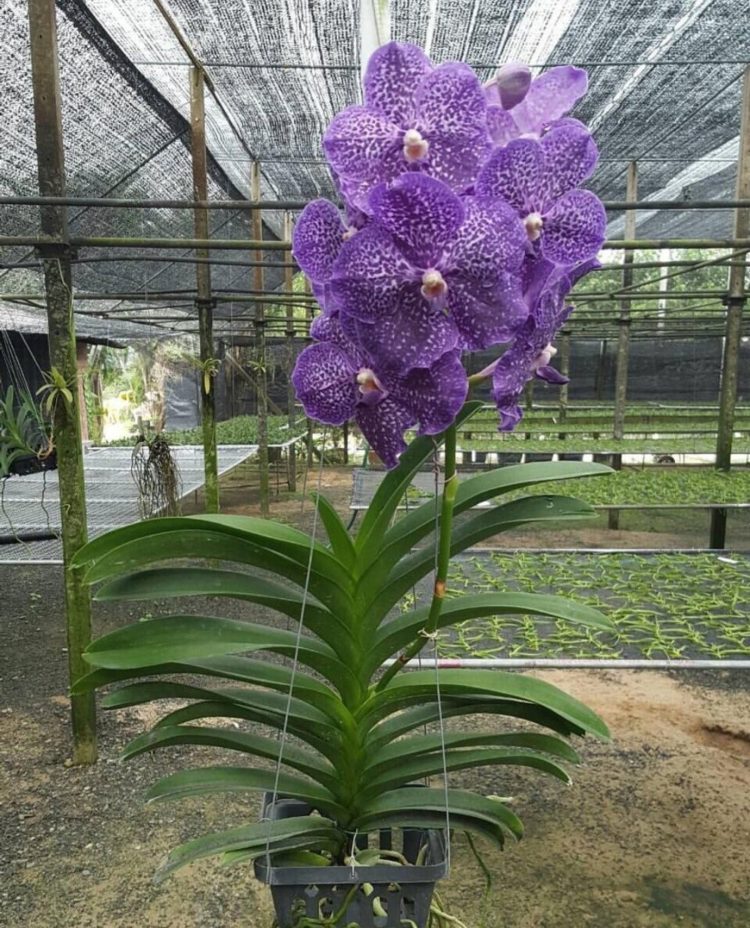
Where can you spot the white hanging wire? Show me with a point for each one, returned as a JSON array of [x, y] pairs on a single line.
[[295, 664], [434, 636]]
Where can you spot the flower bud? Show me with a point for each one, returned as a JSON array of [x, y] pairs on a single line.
[[513, 81]]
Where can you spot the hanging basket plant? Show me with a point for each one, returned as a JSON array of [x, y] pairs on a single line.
[[157, 477], [464, 229], [26, 445]]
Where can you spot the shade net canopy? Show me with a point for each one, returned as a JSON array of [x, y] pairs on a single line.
[[665, 90]]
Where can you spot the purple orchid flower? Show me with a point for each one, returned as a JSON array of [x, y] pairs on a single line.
[[532, 351], [415, 117], [336, 381], [519, 107], [539, 179], [317, 239], [431, 272]]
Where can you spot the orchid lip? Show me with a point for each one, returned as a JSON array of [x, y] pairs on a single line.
[[544, 357], [367, 381], [534, 223], [434, 286], [415, 147]]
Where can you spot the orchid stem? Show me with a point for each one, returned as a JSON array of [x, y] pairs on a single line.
[[441, 568]]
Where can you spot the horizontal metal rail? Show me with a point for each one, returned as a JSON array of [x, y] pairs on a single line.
[[298, 66], [274, 245], [563, 663], [218, 244], [148, 203]]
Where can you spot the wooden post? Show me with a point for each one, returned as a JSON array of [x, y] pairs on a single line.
[[204, 304], [260, 348], [735, 305], [291, 397], [623, 335], [62, 352]]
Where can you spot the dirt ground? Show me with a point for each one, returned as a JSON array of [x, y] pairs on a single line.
[[654, 832]]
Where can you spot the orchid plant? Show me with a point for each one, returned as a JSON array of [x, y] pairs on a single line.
[[463, 228]]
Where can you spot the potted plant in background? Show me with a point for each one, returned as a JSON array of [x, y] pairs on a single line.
[[25, 438], [464, 229]]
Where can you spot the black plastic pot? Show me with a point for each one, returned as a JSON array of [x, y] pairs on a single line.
[[31, 464], [405, 893]]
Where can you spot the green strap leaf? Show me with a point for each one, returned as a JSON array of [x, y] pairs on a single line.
[[420, 522], [460, 802], [411, 719], [179, 637], [172, 582], [531, 509], [232, 667], [261, 543], [204, 781], [388, 495], [401, 631], [296, 852], [410, 769], [341, 542], [322, 739], [420, 745], [421, 818], [262, 706], [477, 683], [298, 758], [302, 831]]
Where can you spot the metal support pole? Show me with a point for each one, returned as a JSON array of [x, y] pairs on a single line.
[[204, 303], [374, 28], [623, 340], [260, 350], [735, 305], [290, 394], [62, 351], [565, 371], [623, 335]]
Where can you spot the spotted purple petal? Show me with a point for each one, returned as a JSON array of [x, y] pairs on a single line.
[[421, 212], [550, 96], [501, 125], [491, 239], [508, 380], [570, 156], [514, 174], [383, 425], [330, 327], [451, 99], [415, 336], [358, 140], [458, 159], [371, 277], [487, 316], [317, 239], [393, 73], [435, 394], [574, 229], [324, 379]]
